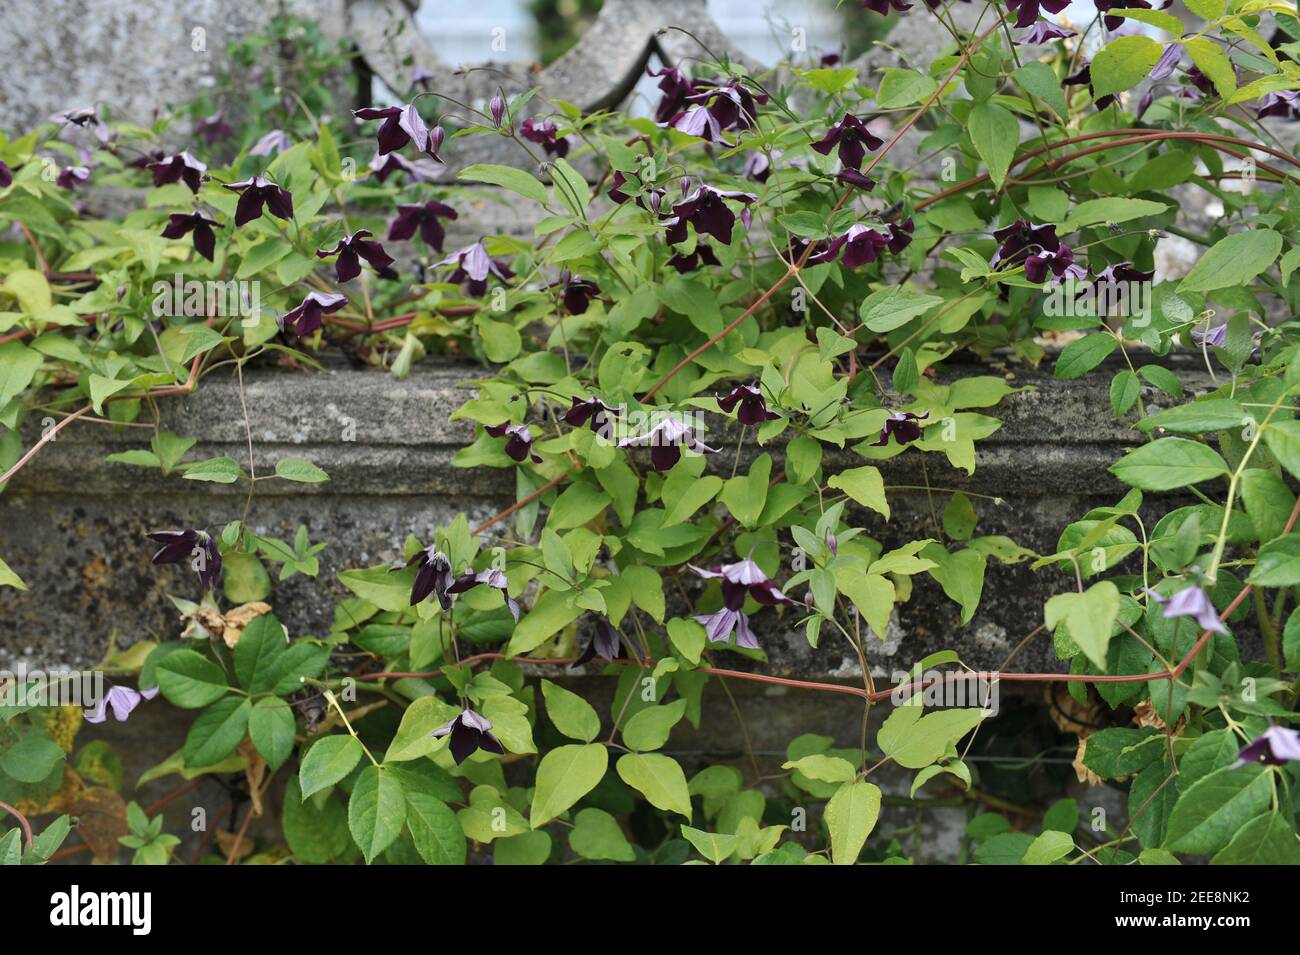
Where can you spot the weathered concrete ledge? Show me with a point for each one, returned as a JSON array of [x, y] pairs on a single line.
[[75, 524]]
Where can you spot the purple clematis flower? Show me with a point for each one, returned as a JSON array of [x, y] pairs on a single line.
[[853, 139], [199, 547], [492, 578], [123, 699], [1284, 104], [427, 218], [384, 166], [181, 223], [402, 125], [6, 175], [304, 319], [757, 167], [70, 177], [213, 128], [606, 644], [753, 408], [258, 192], [739, 580], [519, 440], [1168, 61], [85, 118], [1057, 262], [903, 426], [882, 7], [705, 209], [179, 167], [544, 134], [1216, 335], [731, 104], [666, 439], [676, 86], [1191, 602], [1045, 31], [698, 121], [578, 292], [1274, 747], [276, 141], [497, 107], [851, 177], [1038, 249], [589, 411], [433, 577], [861, 245], [703, 255], [1084, 78], [1028, 9], [469, 731], [351, 249], [473, 266]]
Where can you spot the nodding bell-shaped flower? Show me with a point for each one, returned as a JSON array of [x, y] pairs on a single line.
[[212, 128], [276, 141], [433, 577], [198, 547], [853, 139], [6, 175], [384, 166], [739, 580], [1216, 335], [706, 211], [402, 125], [546, 135], [903, 426], [473, 266], [883, 7], [675, 85], [258, 192], [578, 292], [490, 578], [177, 168], [519, 440], [469, 731], [1028, 9], [122, 700], [1284, 104], [351, 249], [606, 644], [703, 255], [1044, 31], [666, 440], [426, 217], [753, 407], [1191, 602], [589, 411], [179, 224], [70, 177], [306, 317], [1274, 747]]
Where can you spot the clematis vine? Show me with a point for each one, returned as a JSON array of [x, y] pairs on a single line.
[[180, 224], [707, 212], [351, 249], [433, 577], [181, 167], [402, 125], [305, 318], [427, 218], [665, 440], [902, 426], [198, 547], [753, 407], [258, 192], [122, 700], [1276, 746], [473, 266], [853, 140], [491, 578], [469, 731], [519, 440], [739, 580], [715, 109]]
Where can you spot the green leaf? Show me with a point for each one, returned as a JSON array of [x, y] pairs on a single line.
[[189, 680], [826, 769], [1122, 64], [1268, 501], [1169, 463], [1083, 355], [1278, 564], [649, 728], [1233, 260], [1038, 80], [435, 830], [101, 389], [10, 579], [376, 811], [31, 759], [18, 366], [1265, 840], [864, 485], [578, 504], [892, 307], [271, 727], [258, 652], [316, 830], [414, 737], [596, 835], [851, 814], [1197, 417], [1049, 847], [298, 469], [686, 496], [572, 715], [1215, 808], [995, 133], [565, 775], [659, 778], [915, 741], [222, 470], [714, 846], [553, 611], [1283, 439], [1110, 209], [516, 180], [326, 762], [903, 88], [687, 638], [745, 496], [1214, 63], [1089, 618], [1206, 9], [217, 731], [526, 848]]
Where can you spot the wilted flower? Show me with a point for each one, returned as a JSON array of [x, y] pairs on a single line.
[[578, 292], [666, 440], [1283, 103], [705, 209], [545, 135], [741, 579], [492, 578], [212, 128], [425, 217], [606, 644], [590, 411], [1275, 746], [753, 409], [1044, 31], [1028, 9], [351, 249], [181, 223], [196, 546], [257, 192], [469, 731], [306, 318], [433, 577], [853, 139], [903, 426], [1191, 602], [519, 440], [277, 140], [402, 125], [70, 177], [181, 166], [123, 699], [497, 107], [473, 265]]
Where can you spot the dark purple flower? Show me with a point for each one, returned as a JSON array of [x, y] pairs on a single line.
[[6, 175], [589, 411], [753, 408], [181, 223], [1283, 103], [703, 255], [473, 266], [1044, 31], [606, 644], [739, 580], [426, 218], [492, 578], [757, 167], [198, 547], [544, 134], [829, 59], [676, 86], [666, 439], [277, 141], [433, 577], [519, 440], [903, 426], [861, 245], [882, 7], [1274, 747], [212, 128], [123, 699], [70, 177], [853, 139], [469, 731], [181, 166], [384, 166], [306, 318], [578, 292], [1191, 602], [705, 209], [497, 107], [402, 125], [731, 104], [1020, 239], [1058, 262], [900, 235], [851, 177], [257, 192], [350, 250], [1084, 78], [1122, 272], [1028, 9], [654, 196]]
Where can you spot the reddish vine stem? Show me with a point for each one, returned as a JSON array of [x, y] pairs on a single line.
[[22, 821]]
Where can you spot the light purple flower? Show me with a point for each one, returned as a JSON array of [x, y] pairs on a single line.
[[473, 266], [491, 578], [1277, 745], [1216, 335], [277, 140], [123, 699], [1191, 602], [1044, 31]]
